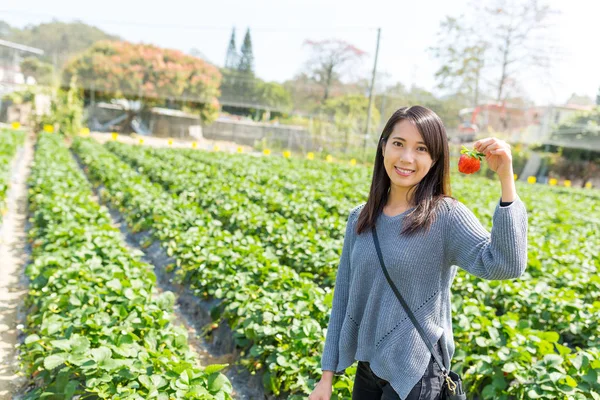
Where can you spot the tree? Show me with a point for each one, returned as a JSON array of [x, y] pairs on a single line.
[[147, 74], [328, 60], [461, 53], [396, 96], [514, 26], [348, 114], [580, 100], [598, 97], [246, 64], [232, 57], [41, 71], [59, 40], [5, 30], [500, 39], [273, 95]]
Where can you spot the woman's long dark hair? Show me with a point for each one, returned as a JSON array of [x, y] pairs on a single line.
[[427, 193]]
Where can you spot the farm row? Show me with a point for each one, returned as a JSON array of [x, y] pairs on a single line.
[[9, 143], [264, 235], [96, 326]]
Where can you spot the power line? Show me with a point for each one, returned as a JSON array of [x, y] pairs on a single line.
[[191, 27]]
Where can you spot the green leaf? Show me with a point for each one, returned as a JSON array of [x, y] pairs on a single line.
[[101, 354], [32, 338], [210, 369], [570, 381], [54, 360], [218, 382]]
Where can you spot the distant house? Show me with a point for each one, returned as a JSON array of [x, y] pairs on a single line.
[[11, 78], [11, 55], [528, 124], [543, 119]]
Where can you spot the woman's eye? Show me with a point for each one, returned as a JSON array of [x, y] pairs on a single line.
[[424, 148]]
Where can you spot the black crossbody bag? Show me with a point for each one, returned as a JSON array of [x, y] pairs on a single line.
[[452, 388]]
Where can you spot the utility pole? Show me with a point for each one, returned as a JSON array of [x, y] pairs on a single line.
[[371, 90]]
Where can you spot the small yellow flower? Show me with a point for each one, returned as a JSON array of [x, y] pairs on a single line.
[[553, 181], [216, 147], [114, 135], [531, 179], [515, 176], [266, 152], [310, 155], [287, 154], [353, 162], [141, 141], [85, 131], [329, 158], [48, 128], [16, 125], [194, 145], [567, 183], [240, 149], [588, 185]]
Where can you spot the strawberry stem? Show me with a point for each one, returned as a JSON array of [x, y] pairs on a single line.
[[472, 153]]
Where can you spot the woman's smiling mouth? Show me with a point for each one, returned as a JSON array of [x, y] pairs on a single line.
[[403, 172]]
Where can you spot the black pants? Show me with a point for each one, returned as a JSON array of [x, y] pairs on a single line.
[[368, 386]]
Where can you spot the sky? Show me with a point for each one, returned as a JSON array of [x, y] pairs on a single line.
[[280, 27]]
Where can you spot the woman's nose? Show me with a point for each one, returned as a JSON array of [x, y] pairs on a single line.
[[407, 157]]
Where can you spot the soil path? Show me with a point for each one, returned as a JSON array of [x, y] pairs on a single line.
[[14, 255]]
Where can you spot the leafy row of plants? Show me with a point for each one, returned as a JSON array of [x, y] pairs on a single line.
[[10, 140], [298, 245], [96, 326], [277, 316], [294, 179], [541, 363], [576, 292], [212, 186]]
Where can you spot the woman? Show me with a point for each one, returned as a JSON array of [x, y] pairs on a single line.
[[424, 235]]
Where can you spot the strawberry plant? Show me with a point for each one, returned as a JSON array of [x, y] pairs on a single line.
[[96, 327], [10, 140], [533, 337]]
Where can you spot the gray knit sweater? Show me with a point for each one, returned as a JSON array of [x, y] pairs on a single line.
[[367, 321]]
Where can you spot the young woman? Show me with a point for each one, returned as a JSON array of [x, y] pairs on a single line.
[[424, 234]]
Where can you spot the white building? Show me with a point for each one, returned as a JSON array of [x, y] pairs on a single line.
[[11, 55]]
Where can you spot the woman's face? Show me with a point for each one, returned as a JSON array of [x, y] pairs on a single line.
[[404, 150]]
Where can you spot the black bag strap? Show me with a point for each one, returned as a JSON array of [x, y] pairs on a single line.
[[435, 354]]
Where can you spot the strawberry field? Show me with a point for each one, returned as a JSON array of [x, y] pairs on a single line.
[[262, 237], [11, 140]]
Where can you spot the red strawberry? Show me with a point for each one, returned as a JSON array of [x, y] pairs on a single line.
[[469, 161]]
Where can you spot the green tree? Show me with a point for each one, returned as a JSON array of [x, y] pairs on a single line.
[[273, 95], [42, 72], [347, 116], [246, 63], [59, 40], [232, 57], [396, 96]]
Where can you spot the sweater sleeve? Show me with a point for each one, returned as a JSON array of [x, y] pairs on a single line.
[[501, 254], [329, 360]]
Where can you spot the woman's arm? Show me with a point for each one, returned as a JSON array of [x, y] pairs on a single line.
[[330, 357], [501, 254]]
